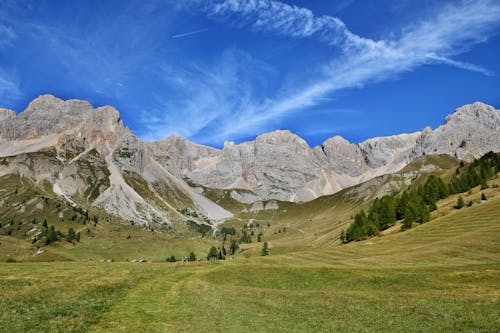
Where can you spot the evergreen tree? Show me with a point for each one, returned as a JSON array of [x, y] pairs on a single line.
[[460, 202], [192, 257], [401, 205], [71, 235], [234, 246], [265, 249], [51, 235], [483, 197], [407, 223], [259, 237], [245, 237], [212, 253]]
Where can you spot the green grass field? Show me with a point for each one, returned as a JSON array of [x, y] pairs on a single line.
[[442, 276]]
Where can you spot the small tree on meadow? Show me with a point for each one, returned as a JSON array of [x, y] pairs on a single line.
[[265, 249], [460, 202], [192, 257], [234, 246], [483, 197], [212, 253]]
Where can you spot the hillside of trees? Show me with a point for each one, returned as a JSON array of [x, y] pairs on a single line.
[[415, 204]]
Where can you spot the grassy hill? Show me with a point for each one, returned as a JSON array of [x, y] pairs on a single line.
[[441, 276]]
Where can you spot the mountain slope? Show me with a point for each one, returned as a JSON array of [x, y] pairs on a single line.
[[280, 165], [91, 160]]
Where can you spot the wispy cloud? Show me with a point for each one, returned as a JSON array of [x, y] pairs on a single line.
[[454, 29], [7, 35], [284, 19], [190, 33], [9, 87], [196, 101]]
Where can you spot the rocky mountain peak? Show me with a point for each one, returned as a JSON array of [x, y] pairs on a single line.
[[48, 115], [50, 106], [6, 114], [476, 112], [336, 141], [279, 137], [277, 165]]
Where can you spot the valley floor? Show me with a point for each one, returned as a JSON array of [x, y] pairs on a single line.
[[443, 276]]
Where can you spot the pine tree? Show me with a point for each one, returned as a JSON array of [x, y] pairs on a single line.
[[407, 223], [71, 235], [234, 246], [483, 197], [401, 205], [460, 202], [192, 257], [265, 249], [212, 253]]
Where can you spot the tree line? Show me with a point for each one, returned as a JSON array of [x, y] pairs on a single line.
[[415, 204]]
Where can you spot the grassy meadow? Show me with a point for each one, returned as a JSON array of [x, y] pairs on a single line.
[[442, 276]]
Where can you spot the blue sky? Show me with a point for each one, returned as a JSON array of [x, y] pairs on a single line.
[[215, 71]]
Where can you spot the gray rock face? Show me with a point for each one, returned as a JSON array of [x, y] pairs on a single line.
[[470, 132], [88, 151], [280, 165], [276, 166], [6, 114]]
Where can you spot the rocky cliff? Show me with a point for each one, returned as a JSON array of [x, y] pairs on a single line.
[[280, 165], [90, 158]]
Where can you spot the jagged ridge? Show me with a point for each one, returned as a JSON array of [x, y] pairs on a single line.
[[93, 150]]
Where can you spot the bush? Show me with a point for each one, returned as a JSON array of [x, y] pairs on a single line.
[[11, 260]]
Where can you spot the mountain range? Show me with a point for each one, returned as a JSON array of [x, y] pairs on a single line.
[[88, 158]]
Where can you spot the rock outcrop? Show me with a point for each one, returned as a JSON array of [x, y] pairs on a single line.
[[92, 158], [280, 165]]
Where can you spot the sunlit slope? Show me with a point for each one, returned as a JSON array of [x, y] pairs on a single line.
[[441, 276], [320, 222]]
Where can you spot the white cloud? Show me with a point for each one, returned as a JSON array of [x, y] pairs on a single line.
[[453, 30], [284, 19], [196, 102], [7, 35], [9, 88]]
